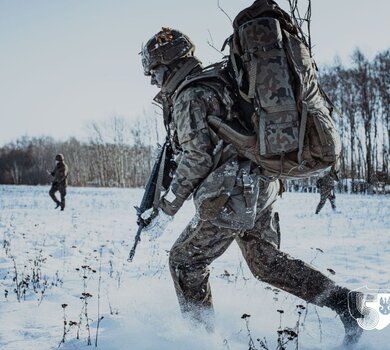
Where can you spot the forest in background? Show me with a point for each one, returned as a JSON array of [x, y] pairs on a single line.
[[121, 154], [361, 94], [117, 154]]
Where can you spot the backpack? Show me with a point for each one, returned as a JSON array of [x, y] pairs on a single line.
[[293, 133]]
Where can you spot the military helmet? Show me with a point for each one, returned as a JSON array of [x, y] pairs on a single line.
[[59, 157], [165, 47]]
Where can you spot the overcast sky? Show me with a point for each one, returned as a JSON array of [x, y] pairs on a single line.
[[64, 63]]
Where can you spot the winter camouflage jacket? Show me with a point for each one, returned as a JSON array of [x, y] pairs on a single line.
[[193, 141], [207, 168], [60, 174]]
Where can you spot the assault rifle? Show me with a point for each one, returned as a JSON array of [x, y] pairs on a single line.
[[160, 178]]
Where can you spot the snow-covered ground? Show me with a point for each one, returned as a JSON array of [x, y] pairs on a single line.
[[78, 257]]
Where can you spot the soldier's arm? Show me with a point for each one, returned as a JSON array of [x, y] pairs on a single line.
[[54, 174], [196, 161]]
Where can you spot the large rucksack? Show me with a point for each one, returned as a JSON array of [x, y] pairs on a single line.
[[294, 135]]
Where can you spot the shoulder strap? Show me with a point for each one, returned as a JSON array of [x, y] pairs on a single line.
[[214, 71], [181, 74]]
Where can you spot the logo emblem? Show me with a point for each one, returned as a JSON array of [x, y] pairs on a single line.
[[373, 306]]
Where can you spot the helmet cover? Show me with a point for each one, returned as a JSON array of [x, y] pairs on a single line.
[[165, 47]]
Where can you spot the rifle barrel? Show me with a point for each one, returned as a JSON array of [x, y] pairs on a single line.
[[136, 240]]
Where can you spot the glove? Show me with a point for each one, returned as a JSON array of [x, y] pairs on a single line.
[[170, 203], [158, 222]]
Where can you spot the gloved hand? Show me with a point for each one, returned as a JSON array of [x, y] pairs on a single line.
[[158, 224], [170, 203]]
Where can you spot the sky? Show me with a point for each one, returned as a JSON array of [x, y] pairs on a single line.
[[67, 63]]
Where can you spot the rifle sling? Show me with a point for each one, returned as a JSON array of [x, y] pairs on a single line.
[[160, 177]]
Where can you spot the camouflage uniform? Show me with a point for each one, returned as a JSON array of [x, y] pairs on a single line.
[[233, 198], [326, 187], [59, 183], [205, 240]]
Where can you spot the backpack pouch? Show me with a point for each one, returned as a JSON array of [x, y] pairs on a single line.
[[322, 139], [270, 86], [278, 133]]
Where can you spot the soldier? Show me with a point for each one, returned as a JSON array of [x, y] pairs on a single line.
[[325, 185], [60, 182], [233, 199]]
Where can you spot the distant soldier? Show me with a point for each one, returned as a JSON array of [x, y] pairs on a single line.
[[325, 185], [60, 182]]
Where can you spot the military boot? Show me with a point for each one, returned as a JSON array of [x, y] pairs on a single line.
[[198, 315], [345, 303], [201, 317]]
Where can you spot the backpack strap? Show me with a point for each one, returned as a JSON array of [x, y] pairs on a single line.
[[252, 77], [239, 74], [178, 77], [302, 129], [214, 71]]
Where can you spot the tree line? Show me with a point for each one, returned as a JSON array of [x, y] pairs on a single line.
[[361, 95], [115, 154], [119, 154]]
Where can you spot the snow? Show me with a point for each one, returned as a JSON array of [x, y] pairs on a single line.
[[137, 300]]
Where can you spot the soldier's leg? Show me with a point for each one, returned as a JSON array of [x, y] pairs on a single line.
[[332, 200], [269, 264], [259, 247], [321, 203], [198, 245], [62, 190], [52, 194]]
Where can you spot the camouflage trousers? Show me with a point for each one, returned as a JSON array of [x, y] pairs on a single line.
[[60, 188], [324, 196], [201, 243]]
